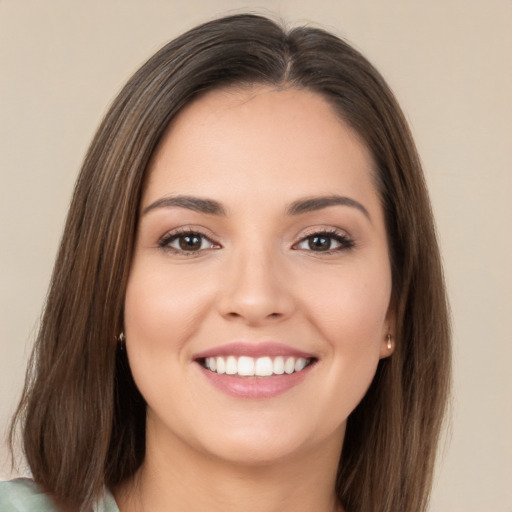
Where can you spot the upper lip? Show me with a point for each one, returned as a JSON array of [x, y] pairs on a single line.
[[253, 350]]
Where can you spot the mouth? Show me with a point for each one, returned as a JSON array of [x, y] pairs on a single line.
[[255, 371], [246, 366]]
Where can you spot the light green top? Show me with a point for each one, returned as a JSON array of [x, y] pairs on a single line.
[[23, 495]]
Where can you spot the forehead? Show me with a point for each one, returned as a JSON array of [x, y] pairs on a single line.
[[260, 139]]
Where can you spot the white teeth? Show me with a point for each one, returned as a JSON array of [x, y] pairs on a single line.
[[289, 365], [300, 364], [221, 365], [245, 366], [264, 367], [279, 365], [231, 366]]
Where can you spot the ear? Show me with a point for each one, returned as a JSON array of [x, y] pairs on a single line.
[[387, 346]]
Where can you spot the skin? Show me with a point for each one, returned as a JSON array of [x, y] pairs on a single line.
[[256, 278]]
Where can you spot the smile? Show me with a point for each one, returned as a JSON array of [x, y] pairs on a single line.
[[255, 371], [246, 366]]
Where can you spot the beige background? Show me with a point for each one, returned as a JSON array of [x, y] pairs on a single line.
[[61, 63]]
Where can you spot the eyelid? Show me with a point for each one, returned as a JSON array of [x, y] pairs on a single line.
[[341, 236], [316, 230], [174, 234]]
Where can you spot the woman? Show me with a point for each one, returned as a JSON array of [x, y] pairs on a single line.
[[247, 309]]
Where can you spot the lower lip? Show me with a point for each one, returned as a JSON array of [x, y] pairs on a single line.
[[255, 387]]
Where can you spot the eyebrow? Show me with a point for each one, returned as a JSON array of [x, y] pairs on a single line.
[[197, 204], [212, 207], [318, 203]]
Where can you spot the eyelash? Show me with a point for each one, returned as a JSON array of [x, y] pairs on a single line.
[[345, 242], [168, 238]]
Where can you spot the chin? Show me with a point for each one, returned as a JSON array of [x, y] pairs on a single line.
[[250, 452], [264, 444]]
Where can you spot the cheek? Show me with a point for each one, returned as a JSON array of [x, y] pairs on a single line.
[[162, 307], [351, 307], [162, 312], [352, 319]]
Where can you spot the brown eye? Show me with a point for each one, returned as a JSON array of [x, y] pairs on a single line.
[[325, 242], [190, 242], [187, 242], [319, 243]]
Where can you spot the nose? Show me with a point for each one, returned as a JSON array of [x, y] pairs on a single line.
[[255, 289]]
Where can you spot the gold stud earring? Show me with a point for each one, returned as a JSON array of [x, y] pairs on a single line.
[[389, 338], [121, 340]]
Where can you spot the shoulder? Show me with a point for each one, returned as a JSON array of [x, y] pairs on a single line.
[[23, 495]]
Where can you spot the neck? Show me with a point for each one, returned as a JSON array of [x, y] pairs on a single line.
[[190, 480]]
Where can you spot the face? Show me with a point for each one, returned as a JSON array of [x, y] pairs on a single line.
[[258, 302]]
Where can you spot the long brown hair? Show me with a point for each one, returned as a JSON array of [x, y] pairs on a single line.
[[83, 418]]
